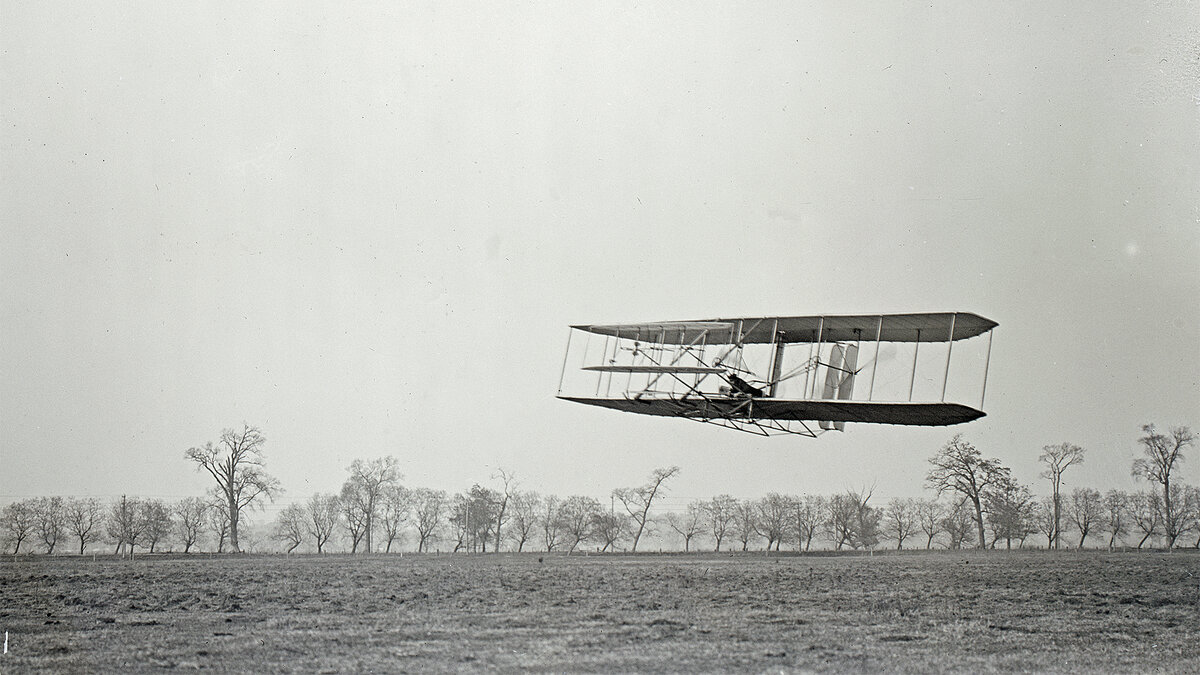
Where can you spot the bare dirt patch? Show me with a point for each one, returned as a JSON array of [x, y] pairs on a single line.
[[701, 613]]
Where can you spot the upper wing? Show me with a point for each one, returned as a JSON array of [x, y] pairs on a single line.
[[923, 327]]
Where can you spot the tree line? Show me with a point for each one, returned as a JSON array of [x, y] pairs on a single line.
[[978, 503]]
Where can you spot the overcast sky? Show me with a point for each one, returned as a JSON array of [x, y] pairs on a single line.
[[366, 227]]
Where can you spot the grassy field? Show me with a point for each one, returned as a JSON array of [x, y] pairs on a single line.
[[916, 612]]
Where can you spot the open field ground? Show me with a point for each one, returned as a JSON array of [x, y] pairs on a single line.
[[916, 612]]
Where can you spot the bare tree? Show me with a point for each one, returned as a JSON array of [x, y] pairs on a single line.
[[1043, 520], [638, 500], [524, 518], [721, 511], [1163, 452], [1058, 458], [253, 538], [218, 519], [1084, 510], [852, 520], [901, 518], [958, 467], [867, 519], [354, 518], [578, 516], [126, 523], [774, 516], [552, 522], [930, 514], [291, 526], [158, 523], [190, 520], [1116, 516], [610, 528], [429, 508], [689, 523], [363, 492], [473, 515], [503, 498], [396, 506], [1010, 508], [84, 518], [460, 521], [322, 515], [957, 523], [839, 521], [51, 520], [20, 521], [808, 512], [1146, 510], [236, 463], [745, 523]]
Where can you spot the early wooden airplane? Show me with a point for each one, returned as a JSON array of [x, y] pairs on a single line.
[[745, 373]]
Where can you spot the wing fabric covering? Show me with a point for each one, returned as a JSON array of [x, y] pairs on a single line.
[[907, 414]]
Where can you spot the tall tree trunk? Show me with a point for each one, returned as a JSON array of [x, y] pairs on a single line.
[[370, 524], [233, 526], [979, 521], [1168, 513], [636, 537], [1057, 511]]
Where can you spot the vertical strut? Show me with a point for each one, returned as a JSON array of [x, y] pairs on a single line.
[[875, 363], [949, 349], [637, 347], [562, 374], [916, 350], [809, 367], [816, 368], [603, 360], [776, 361], [987, 361], [616, 350]]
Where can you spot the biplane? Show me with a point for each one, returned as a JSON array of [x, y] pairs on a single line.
[[780, 375]]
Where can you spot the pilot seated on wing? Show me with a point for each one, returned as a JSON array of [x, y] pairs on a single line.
[[741, 387]]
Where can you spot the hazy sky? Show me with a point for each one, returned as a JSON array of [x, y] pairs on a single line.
[[366, 227]]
